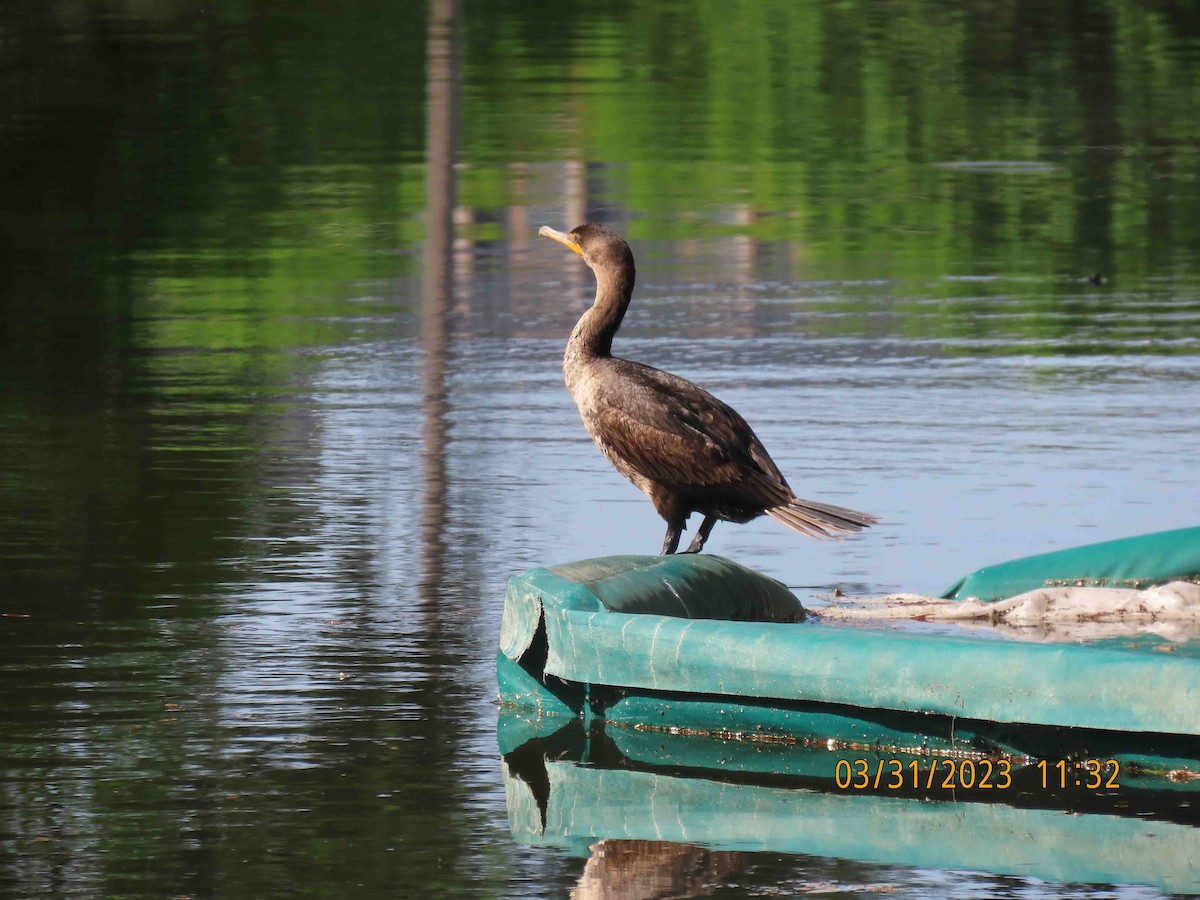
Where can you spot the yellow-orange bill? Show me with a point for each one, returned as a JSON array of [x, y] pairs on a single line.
[[564, 239]]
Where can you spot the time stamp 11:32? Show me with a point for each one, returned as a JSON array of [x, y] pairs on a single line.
[[973, 774]]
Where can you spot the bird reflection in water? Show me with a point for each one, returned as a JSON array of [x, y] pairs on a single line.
[[646, 869]]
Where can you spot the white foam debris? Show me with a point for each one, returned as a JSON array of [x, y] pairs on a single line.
[[1052, 613]]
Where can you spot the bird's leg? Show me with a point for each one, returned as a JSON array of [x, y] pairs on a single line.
[[674, 531], [701, 535]]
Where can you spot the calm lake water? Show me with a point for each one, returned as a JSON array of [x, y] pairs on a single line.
[[281, 406]]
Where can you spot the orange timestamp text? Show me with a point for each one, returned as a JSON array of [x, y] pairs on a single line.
[[971, 774]]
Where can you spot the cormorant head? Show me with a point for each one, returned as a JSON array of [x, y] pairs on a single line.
[[600, 246]]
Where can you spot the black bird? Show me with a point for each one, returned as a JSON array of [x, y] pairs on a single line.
[[684, 448]]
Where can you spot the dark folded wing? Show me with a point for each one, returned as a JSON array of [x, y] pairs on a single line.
[[679, 435]]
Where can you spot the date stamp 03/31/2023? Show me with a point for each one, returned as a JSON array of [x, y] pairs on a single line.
[[974, 774]]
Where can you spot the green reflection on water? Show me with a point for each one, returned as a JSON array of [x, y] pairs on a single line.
[[900, 138], [274, 160]]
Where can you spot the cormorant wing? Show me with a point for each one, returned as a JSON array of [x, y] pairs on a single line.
[[676, 433]]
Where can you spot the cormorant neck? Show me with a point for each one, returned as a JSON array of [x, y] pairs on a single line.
[[593, 334]]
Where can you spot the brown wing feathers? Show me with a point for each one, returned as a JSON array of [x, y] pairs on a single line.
[[691, 438]]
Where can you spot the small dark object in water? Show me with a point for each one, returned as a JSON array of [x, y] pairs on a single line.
[[1096, 278], [684, 448]]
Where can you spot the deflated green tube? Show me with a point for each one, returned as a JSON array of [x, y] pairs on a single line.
[[1137, 562]]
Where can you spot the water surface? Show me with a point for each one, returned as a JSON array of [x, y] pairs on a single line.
[[270, 455]]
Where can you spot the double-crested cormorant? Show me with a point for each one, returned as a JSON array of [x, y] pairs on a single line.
[[685, 449]]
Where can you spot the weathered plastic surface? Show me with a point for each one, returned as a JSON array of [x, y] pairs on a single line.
[[1163, 766], [586, 804], [726, 736], [1136, 562], [684, 585], [687, 585], [1118, 689]]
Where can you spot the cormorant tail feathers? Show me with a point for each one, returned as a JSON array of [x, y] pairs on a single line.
[[821, 520]]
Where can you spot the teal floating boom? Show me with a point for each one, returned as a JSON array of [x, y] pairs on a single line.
[[1136, 562], [566, 638]]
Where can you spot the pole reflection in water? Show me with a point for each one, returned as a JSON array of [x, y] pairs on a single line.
[[444, 69]]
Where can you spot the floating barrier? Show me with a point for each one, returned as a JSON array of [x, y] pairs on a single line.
[[687, 640]]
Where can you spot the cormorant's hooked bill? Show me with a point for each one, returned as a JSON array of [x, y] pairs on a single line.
[[564, 239]]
